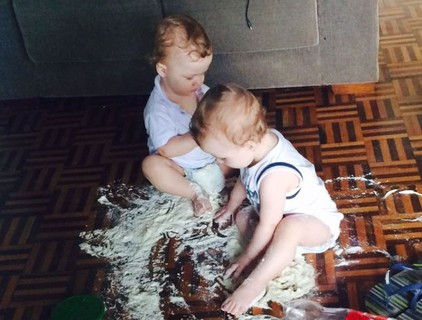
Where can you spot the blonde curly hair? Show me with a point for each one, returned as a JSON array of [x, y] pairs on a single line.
[[232, 110], [184, 32]]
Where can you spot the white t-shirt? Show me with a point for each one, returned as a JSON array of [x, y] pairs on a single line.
[[164, 120]]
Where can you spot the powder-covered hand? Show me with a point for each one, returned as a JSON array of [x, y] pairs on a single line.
[[236, 268], [223, 216]]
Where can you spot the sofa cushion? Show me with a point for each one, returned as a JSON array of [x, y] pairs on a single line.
[[276, 24], [82, 31]]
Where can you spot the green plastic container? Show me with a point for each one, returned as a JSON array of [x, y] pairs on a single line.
[[83, 307]]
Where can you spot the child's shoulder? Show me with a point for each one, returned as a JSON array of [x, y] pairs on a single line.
[[157, 96]]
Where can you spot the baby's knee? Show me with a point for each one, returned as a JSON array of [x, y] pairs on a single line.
[[147, 163], [294, 224], [293, 220], [152, 165], [308, 230]]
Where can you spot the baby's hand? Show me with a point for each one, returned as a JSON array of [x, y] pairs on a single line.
[[231, 271], [236, 268], [223, 216]]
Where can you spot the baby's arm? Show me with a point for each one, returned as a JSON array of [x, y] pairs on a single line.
[[177, 146], [237, 195], [273, 191]]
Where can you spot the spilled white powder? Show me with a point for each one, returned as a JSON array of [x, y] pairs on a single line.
[[355, 249], [394, 191], [341, 254], [147, 217], [354, 178]]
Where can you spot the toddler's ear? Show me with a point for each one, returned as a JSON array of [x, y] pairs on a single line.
[[161, 69], [250, 144]]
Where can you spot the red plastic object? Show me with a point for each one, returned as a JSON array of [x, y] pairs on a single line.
[[357, 315]]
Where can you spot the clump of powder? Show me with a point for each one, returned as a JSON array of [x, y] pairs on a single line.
[[295, 281]]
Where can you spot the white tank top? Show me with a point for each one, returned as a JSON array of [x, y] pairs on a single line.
[[310, 197]]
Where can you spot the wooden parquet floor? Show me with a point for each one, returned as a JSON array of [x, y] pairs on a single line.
[[56, 153]]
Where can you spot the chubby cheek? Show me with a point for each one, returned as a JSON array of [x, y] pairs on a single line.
[[185, 85], [182, 86], [245, 159]]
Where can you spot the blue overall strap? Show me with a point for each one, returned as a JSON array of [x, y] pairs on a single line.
[[280, 164]]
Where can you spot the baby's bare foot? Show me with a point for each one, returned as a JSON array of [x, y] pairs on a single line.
[[201, 204], [200, 201], [243, 298]]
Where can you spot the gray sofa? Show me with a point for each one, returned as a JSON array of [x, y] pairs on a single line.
[[101, 47]]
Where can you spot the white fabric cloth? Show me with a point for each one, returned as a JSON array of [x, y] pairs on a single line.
[[165, 120]]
